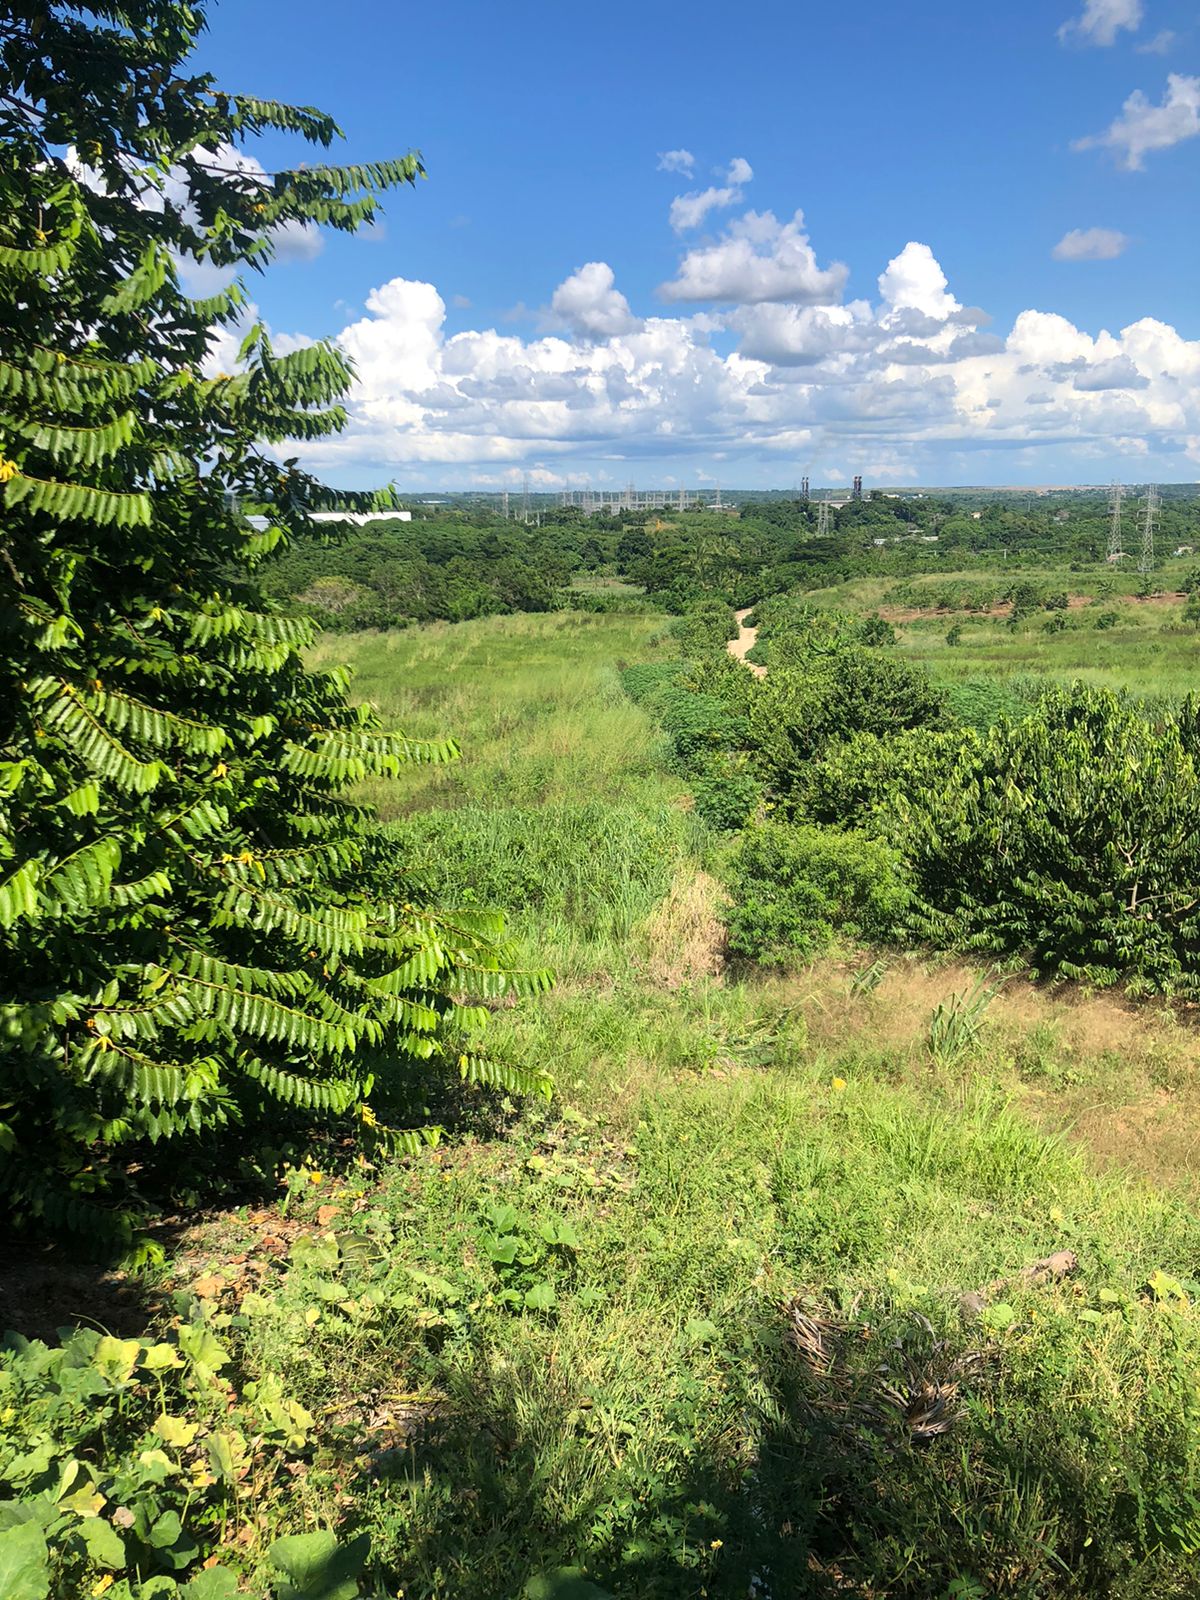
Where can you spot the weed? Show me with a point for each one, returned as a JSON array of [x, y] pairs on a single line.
[[957, 1023]]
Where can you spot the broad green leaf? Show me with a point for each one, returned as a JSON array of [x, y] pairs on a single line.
[[105, 1546], [216, 1583], [116, 1358], [202, 1349], [78, 1490], [160, 1357], [175, 1431], [541, 1297], [24, 1563], [314, 1566], [999, 1316]]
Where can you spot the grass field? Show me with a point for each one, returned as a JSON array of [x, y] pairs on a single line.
[[1149, 651], [694, 1327], [726, 1145]]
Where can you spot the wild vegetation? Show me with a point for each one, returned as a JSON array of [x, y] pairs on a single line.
[[846, 1244]]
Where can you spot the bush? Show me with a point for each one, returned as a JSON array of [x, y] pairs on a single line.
[[1072, 836], [726, 800], [706, 625], [798, 712], [859, 784], [794, 888]]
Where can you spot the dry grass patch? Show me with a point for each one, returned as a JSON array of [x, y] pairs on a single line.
[[683, 938]]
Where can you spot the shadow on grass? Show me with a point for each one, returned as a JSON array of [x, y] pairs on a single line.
[[819, 1492]]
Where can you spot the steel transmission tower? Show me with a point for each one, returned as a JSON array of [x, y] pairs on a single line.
[[1116, 495], [1149, 514], [525, 498], [823, 518]]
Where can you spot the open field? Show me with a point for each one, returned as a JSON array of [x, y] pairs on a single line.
[[721, 1144], [694, 1327]]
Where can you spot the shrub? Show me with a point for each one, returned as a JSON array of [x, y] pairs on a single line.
[[798, 712], [1072, 835], [793, 888], [726, 800], [860, 783], [705, 625]]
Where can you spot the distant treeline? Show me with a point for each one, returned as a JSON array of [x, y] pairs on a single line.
[[456, 565]]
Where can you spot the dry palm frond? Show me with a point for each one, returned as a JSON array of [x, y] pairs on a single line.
[[917, 1388]]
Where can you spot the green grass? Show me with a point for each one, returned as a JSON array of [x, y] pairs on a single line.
[[572, 1337], [720, 1148], [1148, 653], [533, 701]]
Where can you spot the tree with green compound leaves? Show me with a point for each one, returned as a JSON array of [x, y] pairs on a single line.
[[188, 940]]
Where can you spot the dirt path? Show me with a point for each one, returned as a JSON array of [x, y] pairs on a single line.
[[740, 647]]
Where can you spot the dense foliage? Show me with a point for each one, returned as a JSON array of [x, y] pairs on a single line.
[[186, 937], [1058, 827]]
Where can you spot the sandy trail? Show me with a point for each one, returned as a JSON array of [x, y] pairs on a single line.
[[740, 647]]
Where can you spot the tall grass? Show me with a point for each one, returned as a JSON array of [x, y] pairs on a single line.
[[533, 701], [731, 1155]]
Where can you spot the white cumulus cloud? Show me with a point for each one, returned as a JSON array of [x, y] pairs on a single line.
[[676, 161], [780, 369], [1091, 244], [758, 258], [915, 281], [1101, 21], [590, 305], [1144, 126]]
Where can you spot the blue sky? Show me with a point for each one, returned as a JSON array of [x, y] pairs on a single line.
[[538, 306]]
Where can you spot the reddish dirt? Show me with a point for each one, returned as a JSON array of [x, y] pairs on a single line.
[[1075, 602]]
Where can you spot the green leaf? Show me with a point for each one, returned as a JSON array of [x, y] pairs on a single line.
[[1164, 1287], [24, 1563], [503, 1251], [202, 1349], [541, 1297], [998, 1317], [699, 1330], [116, 1358], [314, 1566], [105, 1546], [557, 1231], [215, 1583], [567, 1583]]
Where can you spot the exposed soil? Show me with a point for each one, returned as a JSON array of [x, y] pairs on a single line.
[[1002, 608], [747, 638]]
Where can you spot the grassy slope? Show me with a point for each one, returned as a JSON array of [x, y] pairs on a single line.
[[719, 1147], [1150, 651]]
